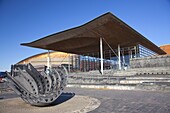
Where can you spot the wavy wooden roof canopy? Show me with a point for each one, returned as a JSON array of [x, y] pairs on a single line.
[[85, 38]]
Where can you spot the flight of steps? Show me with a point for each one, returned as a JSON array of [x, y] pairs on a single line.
[[149, 73], [139, 78]]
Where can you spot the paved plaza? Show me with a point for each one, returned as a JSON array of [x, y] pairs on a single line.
[[117, 101], [111, 101]]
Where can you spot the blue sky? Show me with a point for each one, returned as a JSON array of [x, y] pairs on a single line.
[[27, 20]]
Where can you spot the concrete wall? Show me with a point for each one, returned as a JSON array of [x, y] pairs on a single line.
[[153, 61]]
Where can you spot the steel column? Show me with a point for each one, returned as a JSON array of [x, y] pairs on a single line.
[[119, 60], [101, 56], [69, 63], [48, 61]]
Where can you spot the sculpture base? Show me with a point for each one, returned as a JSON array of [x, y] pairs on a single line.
[[76, 104]]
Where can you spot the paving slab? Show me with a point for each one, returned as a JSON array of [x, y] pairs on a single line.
[[125, 101]]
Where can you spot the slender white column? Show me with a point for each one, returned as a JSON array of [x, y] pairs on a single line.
[[101, 56], [119, 60], [48, 60], [69, 62], [131, 54], [135, 52]]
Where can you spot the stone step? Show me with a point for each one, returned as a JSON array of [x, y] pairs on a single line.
[[139, 81], [128, 72], [160, 83], [148, 78], [113, 80]]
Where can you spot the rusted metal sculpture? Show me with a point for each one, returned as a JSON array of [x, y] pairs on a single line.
[[37, 88]]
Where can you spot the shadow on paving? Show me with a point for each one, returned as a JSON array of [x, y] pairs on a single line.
[[63, 98]]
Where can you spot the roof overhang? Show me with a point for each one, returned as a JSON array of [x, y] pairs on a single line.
[[85, 38]]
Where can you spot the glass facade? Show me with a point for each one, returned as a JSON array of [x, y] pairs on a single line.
[[87, 62], [144, 52]]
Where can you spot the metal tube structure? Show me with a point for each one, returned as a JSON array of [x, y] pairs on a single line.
[[101, 56], [37, 88]]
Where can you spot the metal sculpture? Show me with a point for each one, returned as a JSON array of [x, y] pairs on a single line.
[[37, 88]]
